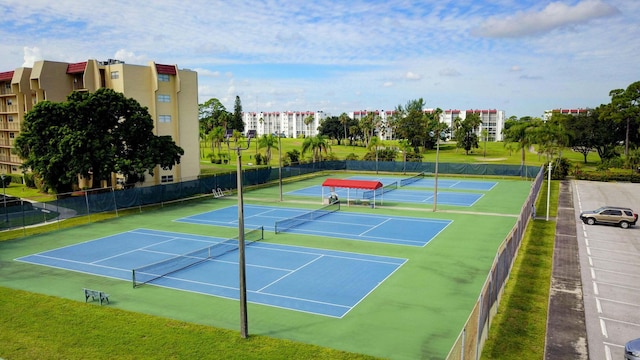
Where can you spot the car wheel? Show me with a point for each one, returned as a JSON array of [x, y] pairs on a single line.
[[624, 224], [591, 221]]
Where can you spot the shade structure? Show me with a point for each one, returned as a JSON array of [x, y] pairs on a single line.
[[351, 184]]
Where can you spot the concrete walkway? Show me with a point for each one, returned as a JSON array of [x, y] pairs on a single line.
[[566, 330]]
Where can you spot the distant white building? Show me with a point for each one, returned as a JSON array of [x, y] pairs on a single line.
[[292, 123], [492, 120], [548, 113]]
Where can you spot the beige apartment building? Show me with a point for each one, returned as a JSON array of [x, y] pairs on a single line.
[[170, 94]]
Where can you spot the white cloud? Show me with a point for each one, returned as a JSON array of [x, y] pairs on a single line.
[[555, 15], [31, 55], [412, 76], [515, 68], [129, 57], [388, 84]]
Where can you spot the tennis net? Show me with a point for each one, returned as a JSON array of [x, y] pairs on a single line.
[[410, 180], [377, 192], [286, 224], [148, 273]]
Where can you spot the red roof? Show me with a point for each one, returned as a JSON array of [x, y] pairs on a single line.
[[353, 184], [166, 69], [7, 75], [76, 68]]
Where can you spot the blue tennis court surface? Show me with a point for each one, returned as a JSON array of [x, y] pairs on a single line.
[[398, 195], [322, 282], [353, 226], [429, 182]]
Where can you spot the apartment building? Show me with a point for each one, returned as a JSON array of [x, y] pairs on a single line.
[[170, 95], [291, 124], [548, 113], [492, 121]]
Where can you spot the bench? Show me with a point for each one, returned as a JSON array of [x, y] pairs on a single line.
[[95, 295]]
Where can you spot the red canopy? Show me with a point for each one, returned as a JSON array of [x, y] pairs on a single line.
[[353, 184]]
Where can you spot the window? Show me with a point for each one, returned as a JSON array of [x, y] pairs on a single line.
[[164, 118], [163, 77], [9, 102], [167, 178], [12, 135], [164, 98], [115, 74], [10, 118], [7, 86]]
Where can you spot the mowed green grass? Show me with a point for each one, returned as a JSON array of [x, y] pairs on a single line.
[[519, 328], [416, 313]]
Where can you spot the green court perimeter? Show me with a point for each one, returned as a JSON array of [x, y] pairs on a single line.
[[416, 313]]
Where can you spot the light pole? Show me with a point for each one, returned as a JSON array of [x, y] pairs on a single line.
[[244, 332], [280, 160], [435, 187]]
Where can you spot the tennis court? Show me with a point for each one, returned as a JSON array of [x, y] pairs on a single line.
[[427, 181], [352, 226], [398, 195], [316, 281]]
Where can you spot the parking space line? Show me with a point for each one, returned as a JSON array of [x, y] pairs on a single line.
[[603, 327], [598, 306]]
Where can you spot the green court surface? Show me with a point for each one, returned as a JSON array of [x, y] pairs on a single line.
[[418, 312]]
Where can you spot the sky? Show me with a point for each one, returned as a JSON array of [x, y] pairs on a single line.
[[520, 56]]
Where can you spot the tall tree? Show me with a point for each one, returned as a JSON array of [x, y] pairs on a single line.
[[308, 121], [625, 106], [466, 134], [344, 120], [237, 123], [375, 143], [331, 127], [93, 134], [211, 114]]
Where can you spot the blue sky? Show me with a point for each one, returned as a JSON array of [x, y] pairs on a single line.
[[519, 56]]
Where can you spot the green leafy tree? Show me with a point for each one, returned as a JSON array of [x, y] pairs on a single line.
[[625, 108], [92, 134], [332, 128], [410, 123], [466, 134], [236, 119], [580, 131], [212, 114]]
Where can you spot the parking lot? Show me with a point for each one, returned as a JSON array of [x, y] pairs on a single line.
[[610, 269]]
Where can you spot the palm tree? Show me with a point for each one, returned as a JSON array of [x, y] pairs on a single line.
[[307, 121], [344, 120], [374, 143], [317, 145], [270, 142], [405, 145], [217, 138], [519, 133]]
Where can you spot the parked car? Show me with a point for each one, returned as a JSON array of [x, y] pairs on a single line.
[[632, 350], [613, 215]]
